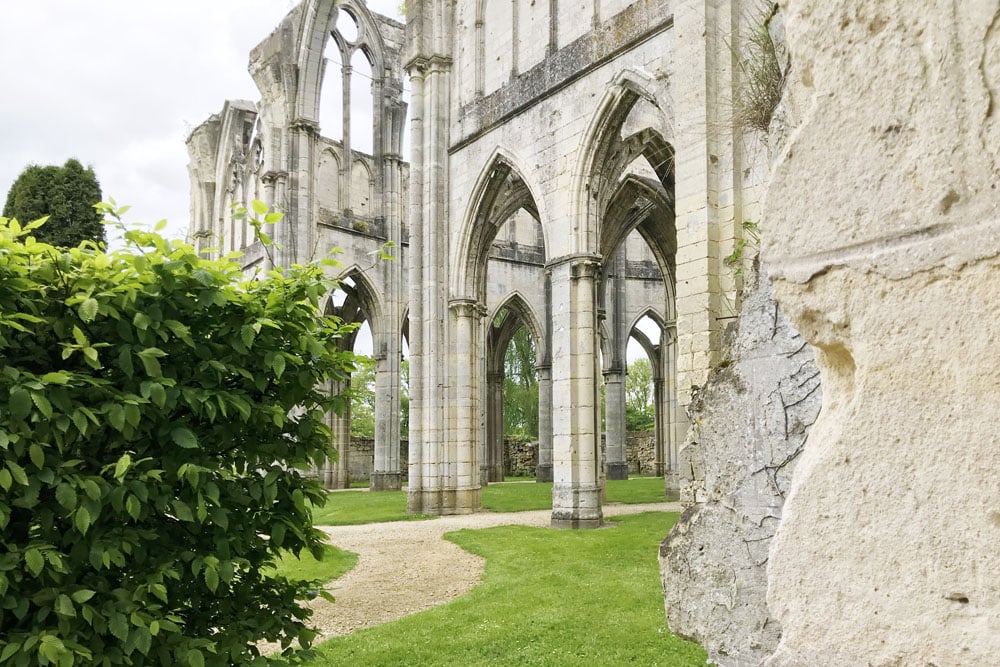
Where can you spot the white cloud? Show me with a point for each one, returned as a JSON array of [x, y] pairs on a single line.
[[118, 84]]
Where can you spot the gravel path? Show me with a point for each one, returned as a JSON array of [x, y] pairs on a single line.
[[406, 566]]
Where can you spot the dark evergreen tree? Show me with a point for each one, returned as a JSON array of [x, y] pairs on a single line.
[[66, 194]]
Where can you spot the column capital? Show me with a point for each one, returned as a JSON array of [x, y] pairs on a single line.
[[305, 126], [466, 307], [273, 176], [582, 264]]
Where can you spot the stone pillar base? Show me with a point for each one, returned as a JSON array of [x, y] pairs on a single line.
[[576, 506], [496, 473], [672, 485], [443, 502], [543, 472], [577, 524], [484, 475], [386, 481], [617, 471]]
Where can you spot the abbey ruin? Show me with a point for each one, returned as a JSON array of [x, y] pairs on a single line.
[[576, 168]]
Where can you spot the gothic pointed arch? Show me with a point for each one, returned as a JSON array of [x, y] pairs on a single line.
[[319, 18], [605, 153], [521, 312], [500, 191], [360, 303]]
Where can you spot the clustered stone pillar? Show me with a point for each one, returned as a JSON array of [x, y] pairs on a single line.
[[614, 423], [462, 462], [337, 476], [385, 475], [543, 471], [576, 457], [492, 464]]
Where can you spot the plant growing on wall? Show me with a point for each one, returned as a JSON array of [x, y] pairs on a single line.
[[759, 78], [155, 410]]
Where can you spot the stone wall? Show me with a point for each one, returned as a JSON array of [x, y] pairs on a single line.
[[749, 426], [883, 238], [519, 458]]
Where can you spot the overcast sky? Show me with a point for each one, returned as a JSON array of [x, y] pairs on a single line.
[[119, 84]]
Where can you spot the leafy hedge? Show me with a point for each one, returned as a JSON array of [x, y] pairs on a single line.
[[154, 409]]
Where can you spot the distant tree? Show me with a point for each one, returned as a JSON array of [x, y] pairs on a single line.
[[520, 387], [639, 414], [363, 398], [66, 194]]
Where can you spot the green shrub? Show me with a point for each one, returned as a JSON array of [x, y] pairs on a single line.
[[154, 411]]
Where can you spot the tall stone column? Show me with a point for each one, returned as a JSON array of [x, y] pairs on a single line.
[[492, 466], [341, 427], [461, 495], [543, 471], [614, 423], [576, 457], [614, 376], [660, 422], [675, 420], [385, 474], [294, 234]]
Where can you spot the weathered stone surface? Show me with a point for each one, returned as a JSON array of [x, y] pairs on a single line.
[[749, 425], [883, 240]]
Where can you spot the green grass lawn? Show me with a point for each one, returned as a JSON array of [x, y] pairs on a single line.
[[346, 508], [350, 508], [548, 597], [335, 563]]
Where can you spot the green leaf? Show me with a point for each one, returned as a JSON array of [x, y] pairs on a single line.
[[64, 606], [195, 658], [132, 507], [57, 377], [42, 404], [125, 361], [259, 207], [152, 366], [66, 496], [82, 520], [182, 511], [132, 414], [88, 310], [17, 472], [5, 479], [36, 455], [247, 334], [211, 578], [157, 394], [83, 595], [124, 463], [119, 626], [278, 365], [183, 437], [159, 590], [20, 403], [9, 650], [34, 560], [116, 415], [52, 648]]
